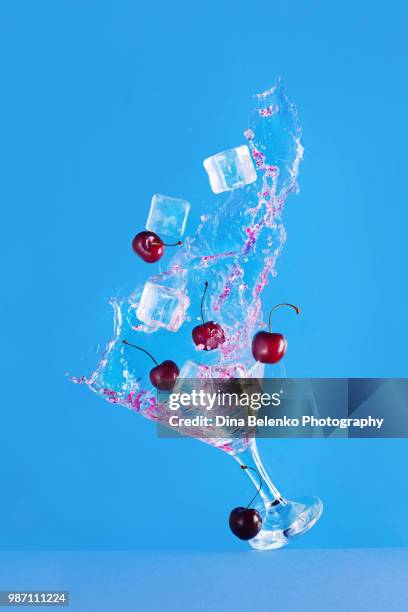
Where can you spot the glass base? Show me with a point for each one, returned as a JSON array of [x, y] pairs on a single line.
[[284, 519]]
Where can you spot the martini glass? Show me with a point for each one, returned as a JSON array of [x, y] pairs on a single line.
[[234, 251], [282, 519]]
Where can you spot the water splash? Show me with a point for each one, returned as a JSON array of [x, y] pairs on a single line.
[[235, 248]]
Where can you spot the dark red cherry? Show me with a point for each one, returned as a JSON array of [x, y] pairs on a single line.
[[149, 246], [163, 376], [245, 523], [209, 334], [268, 347]]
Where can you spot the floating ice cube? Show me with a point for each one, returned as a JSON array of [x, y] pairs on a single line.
[[189, 373], [192, 369], [257, 370], [228, 370], [230, 169], [168, 216], [161, 306]]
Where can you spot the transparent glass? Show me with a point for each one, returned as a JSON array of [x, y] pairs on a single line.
[[282, 519]]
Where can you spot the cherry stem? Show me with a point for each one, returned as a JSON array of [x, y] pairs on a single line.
[[140, 349], [247, 467], [202, 301], [295, 308], [179, 243]]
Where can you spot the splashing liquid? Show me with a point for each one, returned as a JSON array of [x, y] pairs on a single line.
[[235, 248]]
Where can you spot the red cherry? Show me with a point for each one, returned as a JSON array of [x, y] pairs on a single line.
[[209, 334], [268, 347], [246, 523], [163, 376], [149, 246]]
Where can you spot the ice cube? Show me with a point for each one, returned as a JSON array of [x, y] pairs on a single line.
[[256, 371], [161, 306], [192, 369], [168, 216], [190, 372], [228, 370], [230, 169]]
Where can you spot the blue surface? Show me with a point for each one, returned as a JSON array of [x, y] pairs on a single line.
[[367, 580], [106, 103]]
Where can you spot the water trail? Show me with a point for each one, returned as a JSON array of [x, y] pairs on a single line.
[[235, 248]]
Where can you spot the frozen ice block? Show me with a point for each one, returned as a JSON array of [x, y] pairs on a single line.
[[161, 306], [230, 169], [257, 370], [189, 373], [168, 216], [228, 370], [192, 369]]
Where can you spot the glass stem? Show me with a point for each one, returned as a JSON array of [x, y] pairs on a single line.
[[250, 457]]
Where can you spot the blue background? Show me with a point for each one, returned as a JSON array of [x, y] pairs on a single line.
[[104, 104]]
